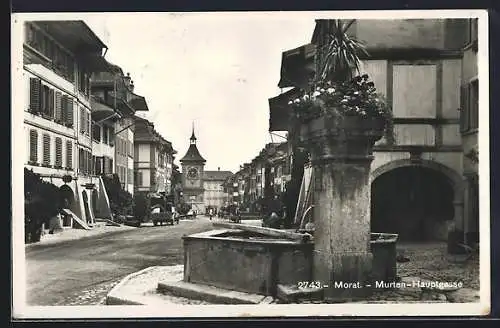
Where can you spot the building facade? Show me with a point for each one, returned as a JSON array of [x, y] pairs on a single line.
[[193, 165], [153, 159], [114, 105], [58, 60], [469, 125], [215, 194], [420, 66]]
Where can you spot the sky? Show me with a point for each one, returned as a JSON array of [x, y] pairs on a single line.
[[214, 70]]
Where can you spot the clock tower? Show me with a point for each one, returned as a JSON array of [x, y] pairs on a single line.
[[192, 176]]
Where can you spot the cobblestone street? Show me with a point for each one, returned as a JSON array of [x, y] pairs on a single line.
[[82, 271]]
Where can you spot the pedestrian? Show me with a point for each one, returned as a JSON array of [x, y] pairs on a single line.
[[210, 213]]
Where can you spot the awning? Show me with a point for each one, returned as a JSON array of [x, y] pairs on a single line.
[[139, 103], [122, 106], [297, 66], [95, 63], [280, 112], [101, 111]]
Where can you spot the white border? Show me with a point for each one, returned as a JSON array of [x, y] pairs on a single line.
[[21, 311]]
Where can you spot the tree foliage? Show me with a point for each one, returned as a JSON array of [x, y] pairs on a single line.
[[120, 200], [42, 201]]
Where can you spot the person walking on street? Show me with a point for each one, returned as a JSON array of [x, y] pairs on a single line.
[[210, 213]]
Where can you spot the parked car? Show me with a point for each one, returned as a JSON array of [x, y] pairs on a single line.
[[159, 216]]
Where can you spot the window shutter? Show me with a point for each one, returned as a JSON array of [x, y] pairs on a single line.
[[58, 152], [51, 103], [64, 109], [58, 107], [90, 163], [82, 120], [69, 154], [33, 146], [80, 160], [464, 108], [35, 94], [474, 104], [110, 165], [46, 149], [69, 112]]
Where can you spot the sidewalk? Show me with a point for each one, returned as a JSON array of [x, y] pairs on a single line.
[[75, 234]]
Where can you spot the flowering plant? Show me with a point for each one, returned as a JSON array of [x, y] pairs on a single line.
[[355, 97]]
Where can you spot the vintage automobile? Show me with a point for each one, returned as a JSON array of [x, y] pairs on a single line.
[[164, 217], [160, 215]]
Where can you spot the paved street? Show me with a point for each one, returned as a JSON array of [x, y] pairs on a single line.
[[81, 272]]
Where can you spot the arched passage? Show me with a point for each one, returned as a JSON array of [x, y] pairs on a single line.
[[417, 201], [67, 196], [67, 201]]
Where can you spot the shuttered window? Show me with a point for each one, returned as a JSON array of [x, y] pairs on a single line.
[[33, 146], [64, 109], [464, 108], [35, 95], [82, 120], [58, 162], [46, 149], [81, 160], [469, 106], [111, 137], [90, 163], [58, 107], [69, 154], [43, 100], [69, 112], [474, 104], [51, 103]]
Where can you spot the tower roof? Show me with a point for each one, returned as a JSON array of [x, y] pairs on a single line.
[[192, 155]]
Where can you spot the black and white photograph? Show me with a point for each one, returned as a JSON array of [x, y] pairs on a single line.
[[220, 164]]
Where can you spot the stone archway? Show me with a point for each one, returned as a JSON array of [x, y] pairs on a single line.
[[67, 196], [418, 200], [68, 202]]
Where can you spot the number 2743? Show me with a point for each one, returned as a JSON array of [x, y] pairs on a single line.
[[309, 284]]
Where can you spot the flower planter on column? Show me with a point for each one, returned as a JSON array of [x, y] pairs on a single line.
[[341, 153]]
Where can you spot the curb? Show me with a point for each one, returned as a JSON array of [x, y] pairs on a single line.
[[43, 243], [113, 299]]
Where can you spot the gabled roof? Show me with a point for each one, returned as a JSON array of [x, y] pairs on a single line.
[[75, 35], [217, 175]]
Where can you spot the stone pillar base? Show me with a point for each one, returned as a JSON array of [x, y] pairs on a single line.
[[350, 277]]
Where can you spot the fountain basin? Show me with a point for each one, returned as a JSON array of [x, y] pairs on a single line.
[[253, 263], [244, 261]]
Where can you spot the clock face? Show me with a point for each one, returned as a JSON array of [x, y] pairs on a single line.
[[192, 173]]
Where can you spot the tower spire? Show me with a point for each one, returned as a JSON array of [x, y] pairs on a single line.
[[193, 137]]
